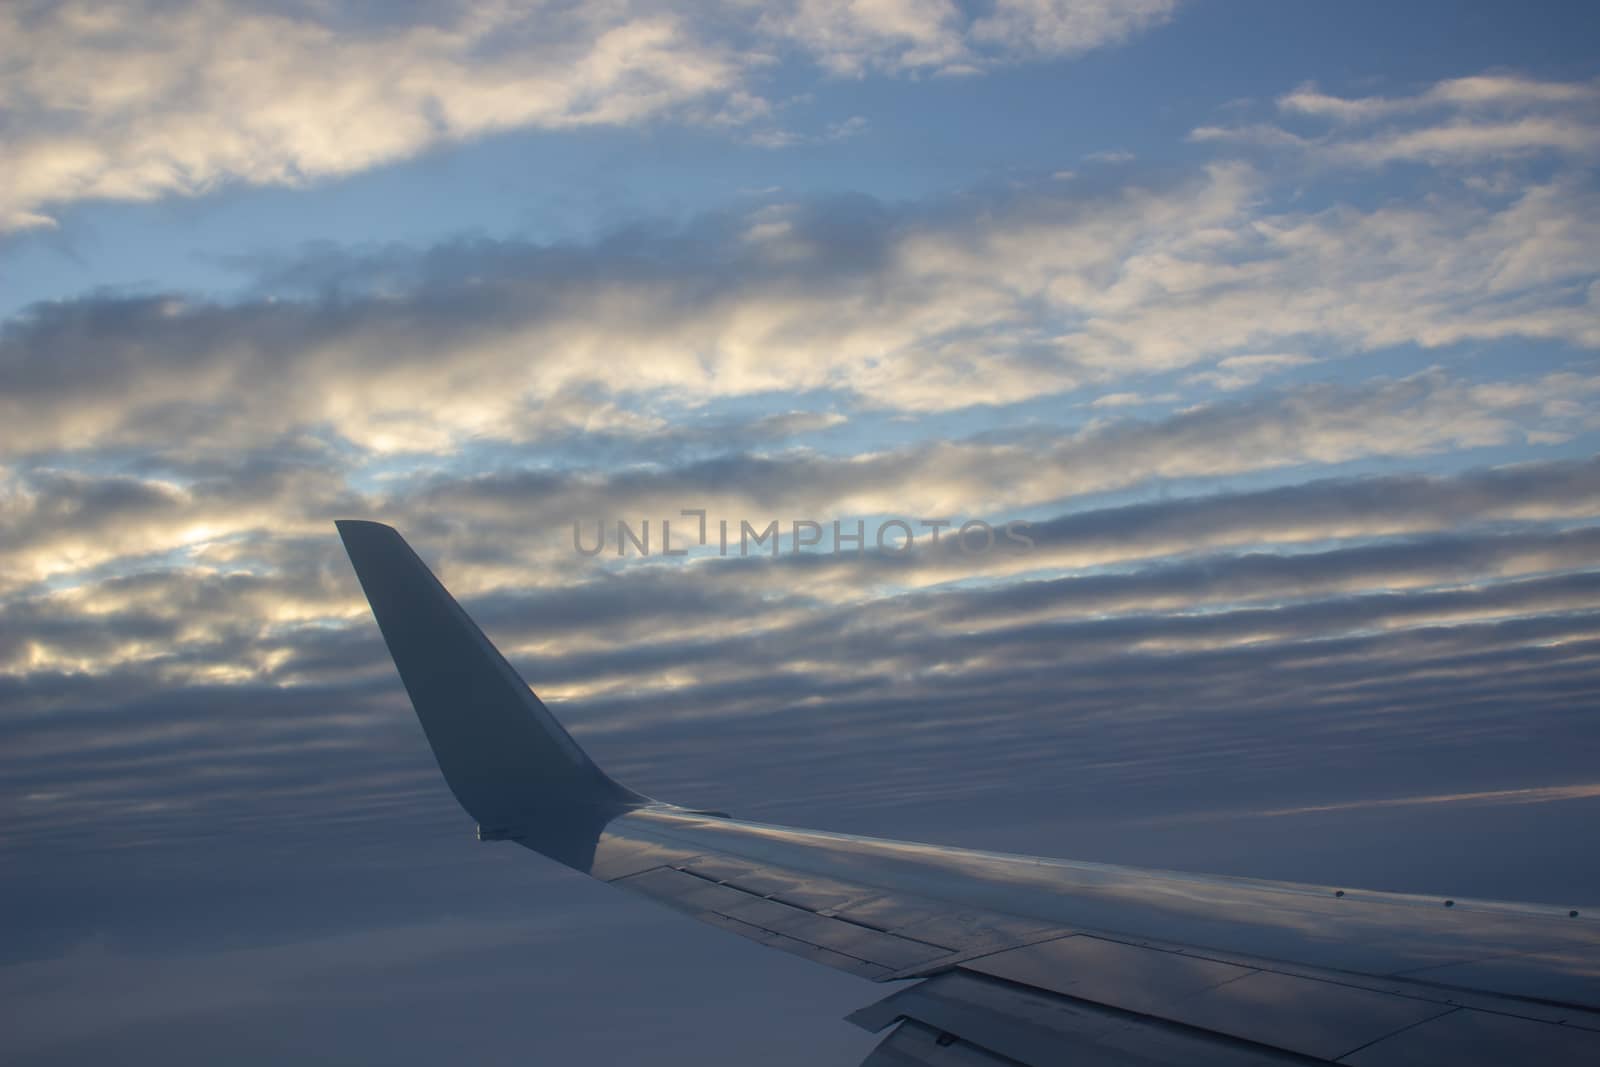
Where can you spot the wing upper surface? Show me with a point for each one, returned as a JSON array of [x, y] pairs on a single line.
[[1019, 958], [1187, 968]]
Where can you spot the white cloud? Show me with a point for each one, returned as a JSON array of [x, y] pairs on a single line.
[[850, 38], [1463, 141], [972, 301], [140, 100], [54, 523], [1067, 27], [1457, 121], [777, 137], [1118, 400], [146, 98], [1239, 372], [1484, 92]]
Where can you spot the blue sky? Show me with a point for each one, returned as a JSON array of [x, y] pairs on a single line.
[[1279, 323]]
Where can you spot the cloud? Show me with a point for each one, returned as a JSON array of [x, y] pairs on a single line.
[[1128, 400], [125, 753], [773, 137], [147, 99], [974, 300], [1541, 795], [60, 523], [850, 39], [171, 646], [397, 988], [1484, 92], [143, 100], [259, 609], [1066, 27], [1239, 372], [1494, 118]]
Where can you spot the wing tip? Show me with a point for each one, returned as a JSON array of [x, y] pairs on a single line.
[[367, 537], [360, 525]]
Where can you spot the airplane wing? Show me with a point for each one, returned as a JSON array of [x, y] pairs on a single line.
[[1005, 959]]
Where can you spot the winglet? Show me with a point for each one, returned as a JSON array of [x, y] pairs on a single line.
[[508, 761]]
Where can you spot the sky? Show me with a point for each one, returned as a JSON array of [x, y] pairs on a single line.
[[1244, 356]]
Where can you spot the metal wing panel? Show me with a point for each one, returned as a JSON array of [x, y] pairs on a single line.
[[1535, 975], [1322, 1019], [1318, 1018], [1467, 1036], [914, 1045], [897, 933], [1041, 1029], [762, 917], [901, 885], [1118, 985], [1037, 1027], [1108, 972], [795, 947]]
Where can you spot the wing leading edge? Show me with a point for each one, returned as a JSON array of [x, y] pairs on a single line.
[[1023, 959]]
